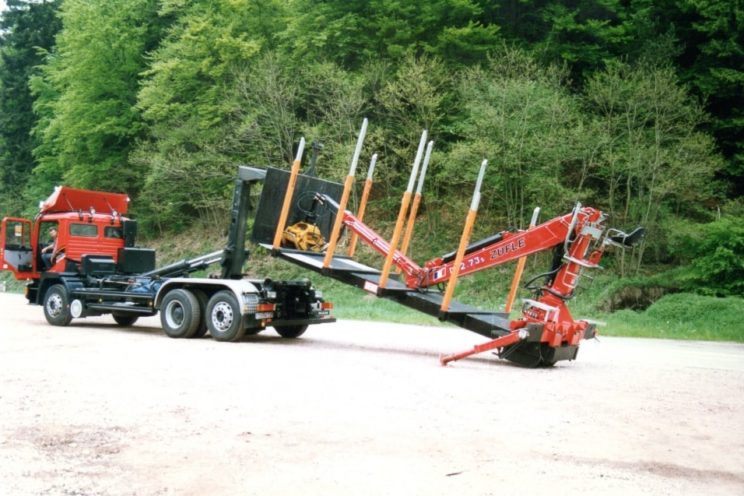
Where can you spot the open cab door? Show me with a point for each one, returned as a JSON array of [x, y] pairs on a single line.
[[16, 251]]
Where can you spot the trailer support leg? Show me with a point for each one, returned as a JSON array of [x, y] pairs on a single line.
[[507, 340]]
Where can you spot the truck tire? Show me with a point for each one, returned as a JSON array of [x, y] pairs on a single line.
[[291, 331], [224, 320], [57, 306], [180, 314], [203, 299], [125, 319]]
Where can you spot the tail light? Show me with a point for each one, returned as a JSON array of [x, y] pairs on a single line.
[[265, 307]]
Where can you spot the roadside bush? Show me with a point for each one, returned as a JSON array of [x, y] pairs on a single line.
[[713, 256], [683, 316]]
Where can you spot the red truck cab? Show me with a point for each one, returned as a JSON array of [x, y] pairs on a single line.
[[87, 223]]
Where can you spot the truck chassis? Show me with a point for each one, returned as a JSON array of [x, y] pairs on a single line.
[[108, 275]]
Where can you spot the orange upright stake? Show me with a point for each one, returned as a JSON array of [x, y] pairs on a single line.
[[520, 269], [363, 203], [348, 184], [416, 201], [281, 224], [464, 240], [404, 204]]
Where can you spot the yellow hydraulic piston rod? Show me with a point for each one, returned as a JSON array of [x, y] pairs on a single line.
[[363, 203], [405, 203], [348, 184], [464, 240], [416, 200], [520, 269], [281, 224]]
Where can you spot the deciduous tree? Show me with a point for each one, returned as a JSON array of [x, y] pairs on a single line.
[[86, 95], [27, 31]]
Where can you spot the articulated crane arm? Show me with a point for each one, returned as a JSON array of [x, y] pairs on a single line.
[[507, 246], [546, 325], [585, 224]]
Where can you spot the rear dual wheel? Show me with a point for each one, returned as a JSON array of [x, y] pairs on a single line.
[[180, 314], [224, 318]]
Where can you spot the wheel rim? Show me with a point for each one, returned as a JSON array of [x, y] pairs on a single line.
[[54, 305], [174, 314], [222, 316]]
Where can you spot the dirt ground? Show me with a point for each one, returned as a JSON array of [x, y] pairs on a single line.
[[357, 408]]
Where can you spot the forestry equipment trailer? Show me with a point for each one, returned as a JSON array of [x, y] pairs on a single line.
[[93, 268], [545, 333]]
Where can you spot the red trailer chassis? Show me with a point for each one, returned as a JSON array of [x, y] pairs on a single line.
[[581, 237]]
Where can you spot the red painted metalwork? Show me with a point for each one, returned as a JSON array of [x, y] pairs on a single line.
[[511, 247], [510, 339], [582, 233], [65, 199], [88, 222], [379, 244]]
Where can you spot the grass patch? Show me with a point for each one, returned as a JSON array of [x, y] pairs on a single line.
[[682, 316]]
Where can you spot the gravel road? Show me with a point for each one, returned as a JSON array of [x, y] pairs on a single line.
[[357, 408]]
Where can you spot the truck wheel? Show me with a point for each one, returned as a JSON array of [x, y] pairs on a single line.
[[224, 320], [203, 299], [124, 319], [180, 314], [291, 331], [57, 306]]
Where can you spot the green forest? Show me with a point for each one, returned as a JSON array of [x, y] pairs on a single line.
[[635, 107]]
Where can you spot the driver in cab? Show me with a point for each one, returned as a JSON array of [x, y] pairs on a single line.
[[48, 250]]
